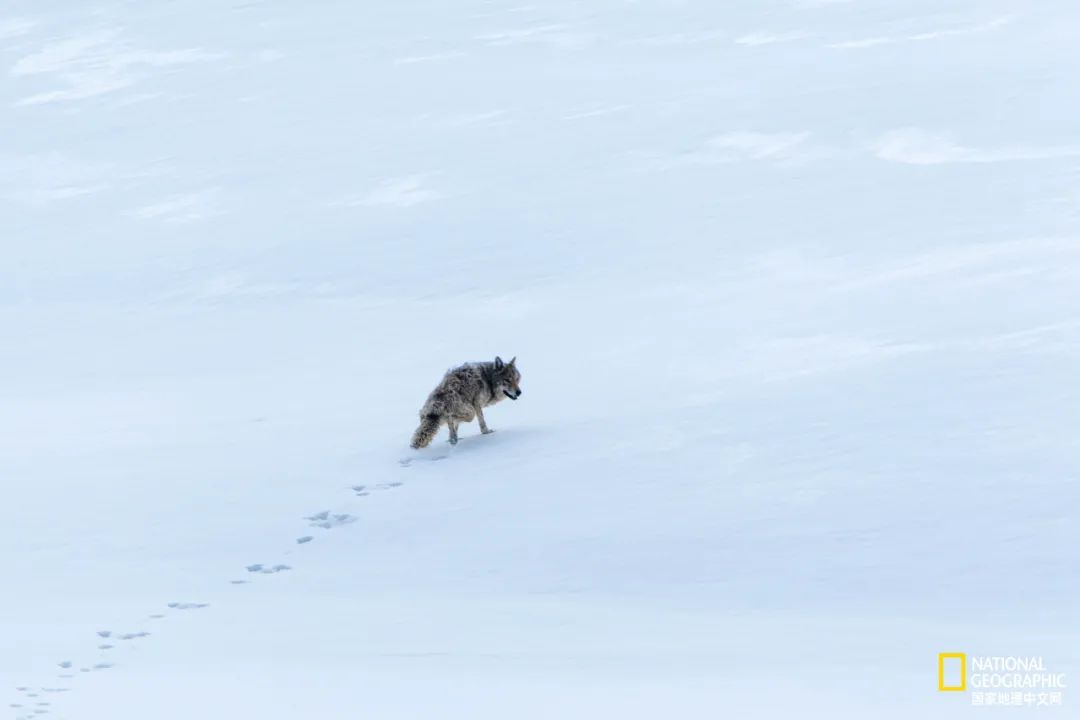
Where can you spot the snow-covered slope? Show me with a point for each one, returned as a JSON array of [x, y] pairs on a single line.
[[792, 285]]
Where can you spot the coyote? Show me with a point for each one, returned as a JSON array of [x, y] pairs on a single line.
[[464, 393]]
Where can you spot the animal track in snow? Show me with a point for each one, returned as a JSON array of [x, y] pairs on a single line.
[[327, 521], [187, 605], [407, 462], [267, 570]]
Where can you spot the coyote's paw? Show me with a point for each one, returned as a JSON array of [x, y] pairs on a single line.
[[452, 441], [488, 431]]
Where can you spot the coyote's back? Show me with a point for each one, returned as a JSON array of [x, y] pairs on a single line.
[[463, 394]]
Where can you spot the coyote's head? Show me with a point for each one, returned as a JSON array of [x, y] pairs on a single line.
[[506, 379]]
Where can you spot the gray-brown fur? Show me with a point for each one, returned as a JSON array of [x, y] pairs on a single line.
[[463, 394]]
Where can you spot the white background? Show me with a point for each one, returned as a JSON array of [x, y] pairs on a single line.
[[793, 286]]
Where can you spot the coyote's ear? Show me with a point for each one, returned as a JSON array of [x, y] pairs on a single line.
[[512, 360], [498, 363]]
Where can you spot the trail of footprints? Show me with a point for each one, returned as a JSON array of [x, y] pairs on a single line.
[[30, 707]]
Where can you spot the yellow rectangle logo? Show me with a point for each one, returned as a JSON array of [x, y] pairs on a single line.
[[961, 658]]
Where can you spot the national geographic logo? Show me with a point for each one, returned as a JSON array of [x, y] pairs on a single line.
[[1023, 681]]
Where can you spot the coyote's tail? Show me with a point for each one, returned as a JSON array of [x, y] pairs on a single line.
[[429, 426]]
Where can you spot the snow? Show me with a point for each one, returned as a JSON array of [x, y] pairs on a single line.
[[793, 286]]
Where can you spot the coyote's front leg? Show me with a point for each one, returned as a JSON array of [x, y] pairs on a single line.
[[452, 424], [483, 424]]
